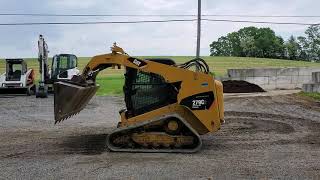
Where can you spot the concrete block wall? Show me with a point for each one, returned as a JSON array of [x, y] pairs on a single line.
[[314, 86], [316, 77], [274, 78]]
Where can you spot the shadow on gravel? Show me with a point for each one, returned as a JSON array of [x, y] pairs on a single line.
[[6, 96], [85, 144]]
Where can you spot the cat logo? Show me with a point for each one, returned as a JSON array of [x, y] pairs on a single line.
[[137, 62]]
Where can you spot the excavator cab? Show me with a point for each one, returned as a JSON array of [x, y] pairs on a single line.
[[63, 66]]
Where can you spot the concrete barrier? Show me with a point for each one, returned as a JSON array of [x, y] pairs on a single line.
[[315, 85], [275, 78], [312, 88], [316, 77]]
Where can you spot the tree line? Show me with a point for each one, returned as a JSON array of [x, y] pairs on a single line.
[[264, 43]]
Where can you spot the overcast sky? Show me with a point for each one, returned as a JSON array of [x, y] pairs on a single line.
[[178, 38]]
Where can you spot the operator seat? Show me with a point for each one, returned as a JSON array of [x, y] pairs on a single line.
[[16, 75]]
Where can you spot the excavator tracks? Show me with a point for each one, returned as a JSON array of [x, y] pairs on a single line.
[[169, 133]]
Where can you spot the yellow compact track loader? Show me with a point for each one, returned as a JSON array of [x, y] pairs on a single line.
[[168, 106]]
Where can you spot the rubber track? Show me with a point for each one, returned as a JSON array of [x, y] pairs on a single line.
[[178, 150]]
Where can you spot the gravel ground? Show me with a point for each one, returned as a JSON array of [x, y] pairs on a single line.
[[264, 137]]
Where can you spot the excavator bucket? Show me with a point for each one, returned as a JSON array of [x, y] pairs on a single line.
[[71, 98]]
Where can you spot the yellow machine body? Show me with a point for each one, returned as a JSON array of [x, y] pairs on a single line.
[[198, 103]]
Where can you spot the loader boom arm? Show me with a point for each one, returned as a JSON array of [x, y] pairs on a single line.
[[119, 57]]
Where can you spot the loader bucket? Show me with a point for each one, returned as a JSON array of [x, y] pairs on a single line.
[[70, 99]]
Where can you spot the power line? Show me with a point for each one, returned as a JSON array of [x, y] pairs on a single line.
[[94, 22], [94, 15], [154, 21], [264, 16], [159, 15], [262, 22]]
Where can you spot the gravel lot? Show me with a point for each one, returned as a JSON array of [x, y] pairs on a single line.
[[264, 136]]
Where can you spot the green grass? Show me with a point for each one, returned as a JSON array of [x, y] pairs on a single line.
[[110, 86], [315, 96], [218, 65], [111, 80]]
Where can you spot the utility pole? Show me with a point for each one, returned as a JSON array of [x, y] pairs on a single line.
[[199, 29]]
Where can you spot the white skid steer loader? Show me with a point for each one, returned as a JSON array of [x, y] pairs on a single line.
[[17, 79]]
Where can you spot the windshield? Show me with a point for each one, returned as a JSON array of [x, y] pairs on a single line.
[[64, 62], [67, 61], [14, 72], [2, 67]]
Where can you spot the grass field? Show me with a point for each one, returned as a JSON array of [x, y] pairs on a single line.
[[315, 96], [111, 80]]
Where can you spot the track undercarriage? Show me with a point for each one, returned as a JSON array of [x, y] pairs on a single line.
[[168, 133]]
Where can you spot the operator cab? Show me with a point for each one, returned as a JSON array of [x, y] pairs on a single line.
[[61, 63], [145, 91], [15, 68]]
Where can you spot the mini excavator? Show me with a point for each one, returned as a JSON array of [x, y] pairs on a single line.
[[168, 105], [64, 67]]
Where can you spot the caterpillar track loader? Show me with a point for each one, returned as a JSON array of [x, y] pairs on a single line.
[[168, 106]]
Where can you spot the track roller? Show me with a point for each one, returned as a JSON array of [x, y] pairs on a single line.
[[170, 133]]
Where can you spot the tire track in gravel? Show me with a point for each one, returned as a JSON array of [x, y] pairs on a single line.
[[251, 130]]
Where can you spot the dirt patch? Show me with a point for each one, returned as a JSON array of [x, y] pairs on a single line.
[[233, 86], [85, 144], [252, 126], [270, 137], [307, 101]]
